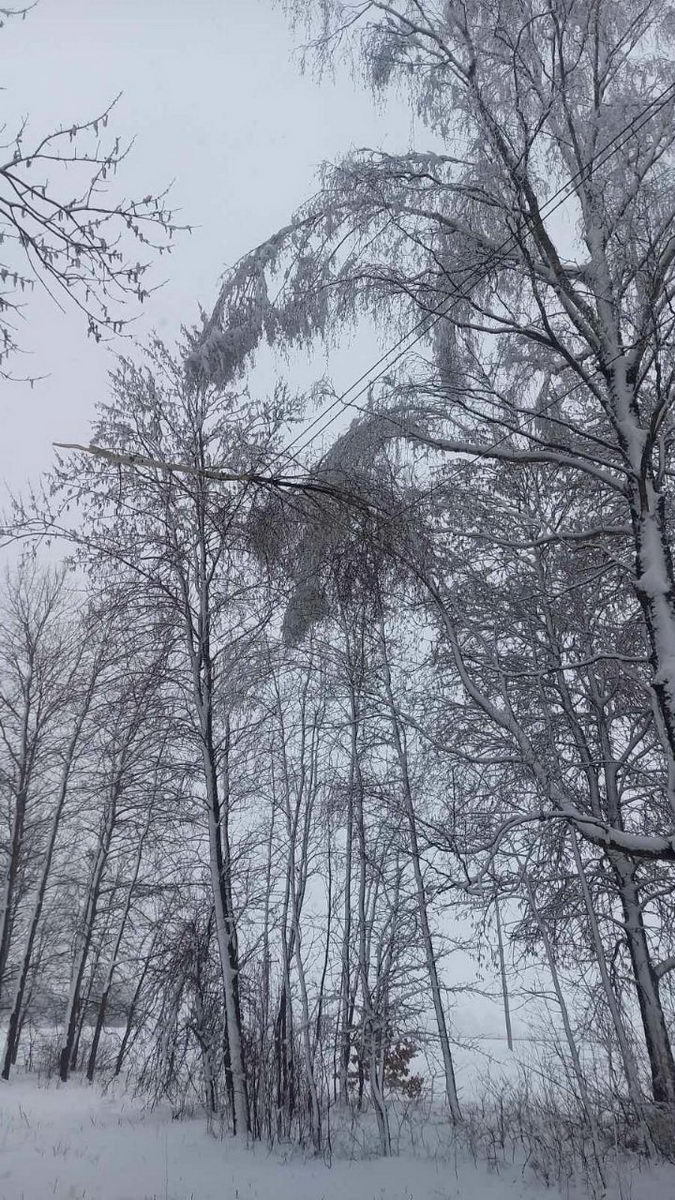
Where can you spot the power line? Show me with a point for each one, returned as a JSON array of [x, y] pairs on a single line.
[[628, 131], [429, 320]]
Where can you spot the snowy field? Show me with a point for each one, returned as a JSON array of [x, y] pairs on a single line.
[[76, 1143]]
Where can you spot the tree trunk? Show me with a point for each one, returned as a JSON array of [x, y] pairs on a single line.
[[198, 644], [7, 916], [370, 1031], [344, 1032], [296, 883], [427, 939], [13, 1032], [630, 1067], [502, 972], [657, 1040], [85, 934], [569, 1035], [224, 927], [126, 1037], [114, 955]]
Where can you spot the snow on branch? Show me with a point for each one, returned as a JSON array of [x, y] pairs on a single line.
[[221, 475]]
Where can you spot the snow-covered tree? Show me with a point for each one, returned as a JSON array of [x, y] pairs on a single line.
[[545, 331], [62, 228]]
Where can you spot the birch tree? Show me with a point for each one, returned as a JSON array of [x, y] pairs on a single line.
[[122, 750], [539, 343], [178, 547], [34, 652], [79, 682]]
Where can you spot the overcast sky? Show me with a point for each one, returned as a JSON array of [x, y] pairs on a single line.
[[213, 93]]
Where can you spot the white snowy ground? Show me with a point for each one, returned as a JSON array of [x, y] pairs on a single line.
[[74, 1143]]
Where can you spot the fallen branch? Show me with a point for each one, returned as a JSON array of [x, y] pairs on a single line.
[[278, 482]]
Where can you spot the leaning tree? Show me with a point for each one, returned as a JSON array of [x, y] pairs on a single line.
[[533, 247], [527, 257]]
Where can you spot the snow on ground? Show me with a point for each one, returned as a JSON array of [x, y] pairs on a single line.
[[76, 1143]]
